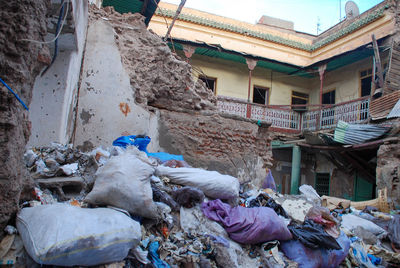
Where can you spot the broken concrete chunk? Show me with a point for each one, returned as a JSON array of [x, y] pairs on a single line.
[[295, 206], [69, 169], [30, 158], [64, 187]]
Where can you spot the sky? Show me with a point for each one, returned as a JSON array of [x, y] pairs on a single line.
[[305, 14]]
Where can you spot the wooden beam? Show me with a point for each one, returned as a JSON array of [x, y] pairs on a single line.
[[379, 71]]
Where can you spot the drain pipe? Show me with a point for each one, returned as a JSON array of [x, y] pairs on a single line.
[[178, 11], [296, 165]]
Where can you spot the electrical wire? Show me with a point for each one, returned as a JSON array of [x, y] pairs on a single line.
[[59, 32], [15, 94]]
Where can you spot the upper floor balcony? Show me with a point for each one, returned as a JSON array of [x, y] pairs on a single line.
[[286, 118]]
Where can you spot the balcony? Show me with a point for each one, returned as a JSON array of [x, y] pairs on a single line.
[[284, 119]]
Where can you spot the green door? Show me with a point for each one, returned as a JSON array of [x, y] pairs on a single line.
[[363, 190]]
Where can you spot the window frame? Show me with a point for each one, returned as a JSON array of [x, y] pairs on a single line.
[[329, 91], [209, 78], [267, 92], [360, 78], [299, 97]]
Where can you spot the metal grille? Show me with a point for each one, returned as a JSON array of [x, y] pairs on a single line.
[[322, 183]]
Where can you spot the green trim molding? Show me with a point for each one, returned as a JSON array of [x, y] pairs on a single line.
[[274, 38]]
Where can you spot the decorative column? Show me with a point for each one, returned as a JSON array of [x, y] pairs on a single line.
[[251, 64]]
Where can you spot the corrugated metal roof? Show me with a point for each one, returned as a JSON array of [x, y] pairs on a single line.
[[358, 133], [396, 111], [381, 107]]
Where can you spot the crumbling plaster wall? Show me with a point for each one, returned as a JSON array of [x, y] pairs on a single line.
[[107, 108], [19, 65], [55, 93]]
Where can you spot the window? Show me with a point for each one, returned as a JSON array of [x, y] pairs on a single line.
[[210, 82], [322, 181], [365, 82], [328, 97], [299, 98], [260, 95]]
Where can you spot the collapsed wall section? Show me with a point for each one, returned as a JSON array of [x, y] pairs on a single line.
[[133, 84], [20, 63]]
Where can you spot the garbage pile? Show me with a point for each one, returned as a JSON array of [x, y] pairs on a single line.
[[126, 207]]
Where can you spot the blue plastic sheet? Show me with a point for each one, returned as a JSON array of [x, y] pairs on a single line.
[[155, 258], [165, 156], [140, 142]]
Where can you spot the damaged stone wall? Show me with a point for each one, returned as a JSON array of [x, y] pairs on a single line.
[[388, 171], [133, 84], [230, 146], [158, 77], [20, 63]]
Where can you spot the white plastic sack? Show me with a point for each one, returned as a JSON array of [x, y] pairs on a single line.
[[61, 234], [124, 182], [309, 192], [350, 222], [212, 183]]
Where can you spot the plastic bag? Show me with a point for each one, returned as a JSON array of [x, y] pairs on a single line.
[[65, 235], [247, 225], [188, 196], [269, 182], [322, 215], [139, 141], [124, 182], [161, 196], [212, 183], [394, 231], [262, 200], [351, 222], [313, 235], [316, 258]]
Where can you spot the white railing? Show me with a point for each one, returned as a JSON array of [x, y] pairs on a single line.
[[310, 120], [351, 112], [232, 107], [355, 111], [285, 119], [279, 118]]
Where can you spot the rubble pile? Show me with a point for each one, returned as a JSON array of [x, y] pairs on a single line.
[[123, 207]]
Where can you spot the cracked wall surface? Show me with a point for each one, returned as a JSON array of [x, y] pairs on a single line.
[[19, 65]]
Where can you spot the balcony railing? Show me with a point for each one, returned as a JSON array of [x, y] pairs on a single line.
[[284, 119]]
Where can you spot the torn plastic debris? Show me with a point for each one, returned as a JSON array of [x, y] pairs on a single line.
[[188, 196], [316, 258], [161, 196], [155, 258], [313, 235], [247, 225], [269, 182], [359, 254], [80, 241]]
